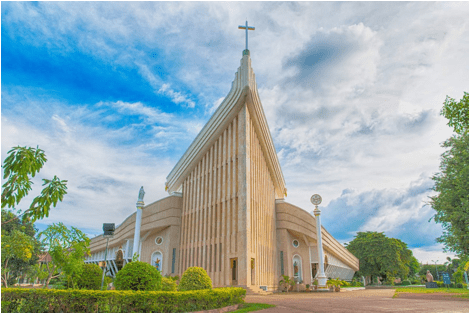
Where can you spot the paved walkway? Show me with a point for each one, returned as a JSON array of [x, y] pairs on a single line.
[[358, 301]]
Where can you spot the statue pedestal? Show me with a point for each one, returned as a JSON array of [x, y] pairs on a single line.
[[431, 285]]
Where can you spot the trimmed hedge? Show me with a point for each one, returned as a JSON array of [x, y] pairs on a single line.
[[90, 277], [195, 278], [168, 284], [406, 283], [115, 301], [138, 276]]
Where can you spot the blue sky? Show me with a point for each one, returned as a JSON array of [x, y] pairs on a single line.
[[115, 92]]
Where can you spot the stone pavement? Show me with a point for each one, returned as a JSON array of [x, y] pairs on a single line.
[[358, 301]]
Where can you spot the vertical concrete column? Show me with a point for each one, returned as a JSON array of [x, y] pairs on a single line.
[[138, 222], [244, 197], [321, 276]]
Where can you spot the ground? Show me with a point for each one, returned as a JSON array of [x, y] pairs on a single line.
[[360, 301]]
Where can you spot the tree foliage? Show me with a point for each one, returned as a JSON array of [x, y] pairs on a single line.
[[451, 183], [16, 245], [21, 165], [381, 256], [67, 248], [20, 235]]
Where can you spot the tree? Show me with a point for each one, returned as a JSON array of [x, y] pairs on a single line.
[[21, 165], [380, 256], [413, 266], [16, 265], [16, 245], [451, 183], [67, 248]]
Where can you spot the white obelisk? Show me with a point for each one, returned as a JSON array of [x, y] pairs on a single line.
[[138, 222]]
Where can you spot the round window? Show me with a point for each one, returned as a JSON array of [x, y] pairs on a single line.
[[159, 240], [295, 243]]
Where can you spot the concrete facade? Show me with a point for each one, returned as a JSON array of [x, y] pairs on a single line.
[[226, 210]]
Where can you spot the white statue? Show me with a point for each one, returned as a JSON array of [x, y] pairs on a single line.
[[429, 276], [141, 195]]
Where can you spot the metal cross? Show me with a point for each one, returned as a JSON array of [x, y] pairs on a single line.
[[246, 28]]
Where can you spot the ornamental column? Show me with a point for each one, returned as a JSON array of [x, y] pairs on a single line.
[[138, 222], [316, 200]]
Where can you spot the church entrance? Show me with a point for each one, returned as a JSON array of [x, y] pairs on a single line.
[[253, 282], [234, 267]]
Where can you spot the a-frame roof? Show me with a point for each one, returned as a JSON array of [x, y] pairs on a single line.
[[244, 90]]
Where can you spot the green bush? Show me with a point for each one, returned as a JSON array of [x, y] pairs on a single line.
[[406, 283], [138, 276], [168, 284], [195, 278], [90, 277], [115, 301], [439, 283], [459, 285]]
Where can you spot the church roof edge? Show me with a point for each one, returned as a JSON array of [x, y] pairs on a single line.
[[244, 89]]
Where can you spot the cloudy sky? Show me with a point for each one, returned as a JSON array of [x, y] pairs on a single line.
[[115, 92]]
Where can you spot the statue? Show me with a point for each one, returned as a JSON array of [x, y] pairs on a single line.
[[429, 276], [141, 195]]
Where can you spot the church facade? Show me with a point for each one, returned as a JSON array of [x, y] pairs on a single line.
[[226, 210]]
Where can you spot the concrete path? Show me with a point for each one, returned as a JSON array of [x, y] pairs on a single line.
[[358, 301]]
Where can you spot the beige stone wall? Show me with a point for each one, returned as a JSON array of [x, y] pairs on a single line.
[[162, 217], [262, 215], [210, 209], [301, 223]]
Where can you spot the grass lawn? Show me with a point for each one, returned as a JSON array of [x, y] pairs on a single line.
[[250, 307], [460, 292]]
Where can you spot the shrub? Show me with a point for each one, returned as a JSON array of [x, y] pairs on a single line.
[[90, 278], [459, 285], [406, 283], [168, 284], [439, 283], [195, 278], [138, 276], [115, 301]]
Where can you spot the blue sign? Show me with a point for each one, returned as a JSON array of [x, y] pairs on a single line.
[[446, 278]]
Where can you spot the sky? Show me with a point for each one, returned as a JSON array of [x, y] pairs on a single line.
[[115, 92]]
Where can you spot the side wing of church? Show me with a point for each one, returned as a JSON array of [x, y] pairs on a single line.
[[226, 210]]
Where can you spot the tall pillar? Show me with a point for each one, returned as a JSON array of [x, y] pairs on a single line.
[[138, 222], [316, 200], [321, 276]]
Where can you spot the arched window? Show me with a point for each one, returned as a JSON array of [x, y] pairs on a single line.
[[297, 263], [119, 260], [157, 260]]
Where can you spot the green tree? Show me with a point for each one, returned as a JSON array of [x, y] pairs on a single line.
[[16, 245], [380, 256], [413, 266], [67, 248], [451, 183], [17, 265], [21, 165]]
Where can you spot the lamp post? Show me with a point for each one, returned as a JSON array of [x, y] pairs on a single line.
[[108, 230], [437, 273], [316, 200]]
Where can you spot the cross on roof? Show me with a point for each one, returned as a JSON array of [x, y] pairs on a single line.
[[246, 28]]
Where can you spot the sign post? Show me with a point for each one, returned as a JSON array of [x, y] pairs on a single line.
[[446, 279]]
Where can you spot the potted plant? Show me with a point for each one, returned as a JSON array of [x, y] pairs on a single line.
[[286, 283], [334, 284], [315, 284], [307, 286]]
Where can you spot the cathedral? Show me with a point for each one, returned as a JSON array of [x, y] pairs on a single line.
[[226, 210]]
